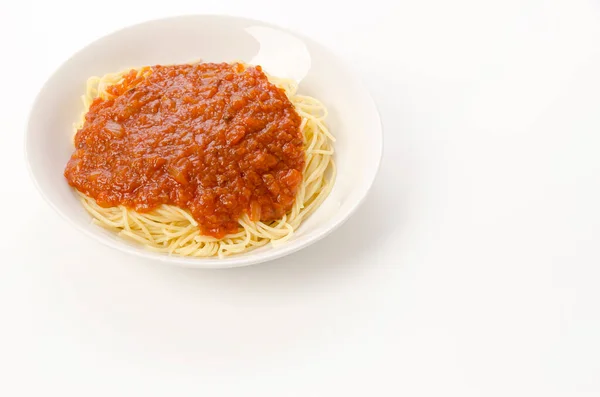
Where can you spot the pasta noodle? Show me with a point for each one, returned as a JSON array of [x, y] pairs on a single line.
[[173, 230]]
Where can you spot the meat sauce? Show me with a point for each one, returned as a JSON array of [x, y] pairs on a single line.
[[216, 139]]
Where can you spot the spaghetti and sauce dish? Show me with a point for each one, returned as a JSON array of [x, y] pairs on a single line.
[[200, 159]]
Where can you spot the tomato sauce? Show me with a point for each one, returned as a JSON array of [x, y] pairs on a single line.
[[216, 139]]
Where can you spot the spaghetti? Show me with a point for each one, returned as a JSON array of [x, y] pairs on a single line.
[[174, 230]]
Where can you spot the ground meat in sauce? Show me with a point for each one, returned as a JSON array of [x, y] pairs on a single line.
[[216, 139]]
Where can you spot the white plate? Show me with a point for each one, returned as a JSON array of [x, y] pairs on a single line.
[[353, 116]]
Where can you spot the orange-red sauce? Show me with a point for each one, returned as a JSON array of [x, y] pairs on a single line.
[[217, 139]]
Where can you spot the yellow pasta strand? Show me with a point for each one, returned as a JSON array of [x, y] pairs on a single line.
[[173, 230]]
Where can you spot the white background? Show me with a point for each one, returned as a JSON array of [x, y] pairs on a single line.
[[472, 269]]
